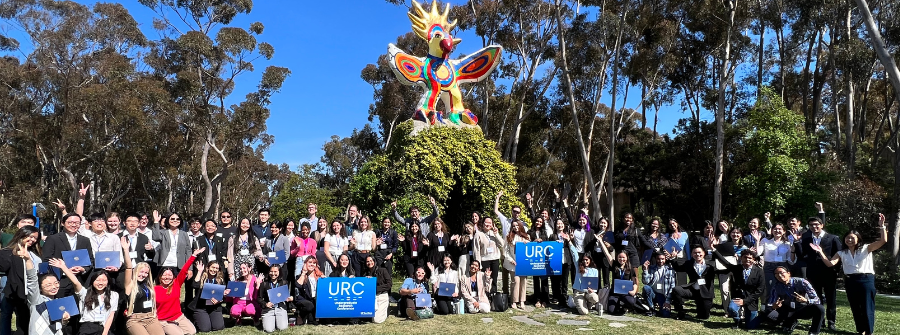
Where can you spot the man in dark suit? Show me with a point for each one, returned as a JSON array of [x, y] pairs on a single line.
[[822, 277], [68, 240], [749, 283], [699, 287]]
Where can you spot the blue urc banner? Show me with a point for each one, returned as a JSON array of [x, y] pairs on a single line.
[[345, 298], [539, 259]]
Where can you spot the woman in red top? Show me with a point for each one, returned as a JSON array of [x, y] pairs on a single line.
[[168, 300]]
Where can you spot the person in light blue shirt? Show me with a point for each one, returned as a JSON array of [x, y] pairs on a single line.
[[411, 288]]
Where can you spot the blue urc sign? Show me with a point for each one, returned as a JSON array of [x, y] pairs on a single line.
[[539, 259], [345, 298]]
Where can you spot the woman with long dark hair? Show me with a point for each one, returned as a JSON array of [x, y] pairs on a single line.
[[775, 251], [628, 238], [538, 234], [623, 270], [305, 247], [245, 306], [438, 242], [445, 274], [414, 248], [319, 236], [516, 235], [585, 300], [24, 242], [488, 248], [344, 269], [598, 235], [859, 274], [97, 303], [335, 244], [560, 287], [274, 316], [383, 288], [243, 248]]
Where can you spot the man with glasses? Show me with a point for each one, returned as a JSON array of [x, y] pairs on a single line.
[[790, 300], [424, 224], [68, 240], [226, 229], [506, 222], [822, 277]]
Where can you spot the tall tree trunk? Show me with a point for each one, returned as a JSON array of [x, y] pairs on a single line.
[[595, 202], [720, 116], [894, 75], [851, 144], [761, 51]]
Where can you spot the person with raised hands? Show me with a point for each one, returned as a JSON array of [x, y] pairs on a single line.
[[792, 299], [506, 223], [488, 249], [475, 286], [699, 287], [859, 274], [207, 313], [822, 277], [544, 213], [41, 290], [168, 299], [140, 296], [659, 281], [775, 251], [414, 215], [445, 274], [746, 287], [96, 302]]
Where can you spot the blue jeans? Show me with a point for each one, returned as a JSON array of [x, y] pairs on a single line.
[[733, 310], [656, 301], [6, 312]]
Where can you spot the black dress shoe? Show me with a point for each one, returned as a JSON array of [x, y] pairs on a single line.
[[831, 326]]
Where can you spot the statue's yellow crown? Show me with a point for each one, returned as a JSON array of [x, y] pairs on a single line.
[[422, 20]]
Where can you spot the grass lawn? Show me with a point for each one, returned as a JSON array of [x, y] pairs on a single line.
[[887, 322]]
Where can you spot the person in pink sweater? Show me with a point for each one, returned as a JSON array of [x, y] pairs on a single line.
[[302, 247], [245, 306]]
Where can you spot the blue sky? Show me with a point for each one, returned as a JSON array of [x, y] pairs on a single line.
[[326, 44]]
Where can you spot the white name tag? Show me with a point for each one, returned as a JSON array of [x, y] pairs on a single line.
[[415, 254], [212, 257], [659, 287], [219, 234], [383, 246], [132, 254], [272, 254], [148, 304], [440, 248], [490, 250], [624, 242], [321, 248], [470, 252], [245, 252], [701, 281], [597, 249], [793, 305]]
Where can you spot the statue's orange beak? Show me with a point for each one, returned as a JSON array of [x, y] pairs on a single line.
[[447, 46]]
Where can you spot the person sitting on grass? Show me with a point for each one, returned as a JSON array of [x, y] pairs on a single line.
[[474, 288], [411, 288], [790, 300]]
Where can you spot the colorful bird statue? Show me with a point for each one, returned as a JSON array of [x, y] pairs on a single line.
[[436, 73]]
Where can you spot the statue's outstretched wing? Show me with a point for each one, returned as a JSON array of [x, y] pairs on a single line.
[[479, 65], [407, 68]]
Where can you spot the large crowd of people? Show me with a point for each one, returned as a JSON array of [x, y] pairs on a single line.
[[771, 276]]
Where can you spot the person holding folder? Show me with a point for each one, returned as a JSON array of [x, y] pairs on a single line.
[[621, 298], [39, 293], [97, 303], [68, 240], [411, 288], [273, 301], [445, 276], [245, 305], [207, 312], [243, 248]]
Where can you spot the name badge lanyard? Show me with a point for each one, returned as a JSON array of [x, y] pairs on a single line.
[[212, 245]]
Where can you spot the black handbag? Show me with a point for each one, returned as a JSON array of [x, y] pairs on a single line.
[[499, 302]]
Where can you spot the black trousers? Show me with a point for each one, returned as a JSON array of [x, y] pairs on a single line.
[[91, 328], [620, 303], [23, 314], [306, 312], [494, 265], [605, 276], [541, 289], [861, 295], [688, 292], [559, 284], [444, 305], [385, 263], [815, 312], [208, 319], [359, 262], [412, 264], [824, 281]]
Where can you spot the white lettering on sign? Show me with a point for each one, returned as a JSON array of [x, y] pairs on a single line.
[[345, 288]]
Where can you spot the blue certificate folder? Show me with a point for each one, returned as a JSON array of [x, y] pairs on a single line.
[[280, 257], [75, 258], [590, 282], [446, 289], [279, 294], [212, 291], [423, 300], [56, 308], [648, 254], [622, 286], [238, 289], [673, 244], [103, 259]]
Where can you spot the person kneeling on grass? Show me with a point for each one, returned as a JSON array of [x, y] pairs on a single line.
[[413, 287], [659, 280], [791, 299], [474, 288], [587, 299]]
